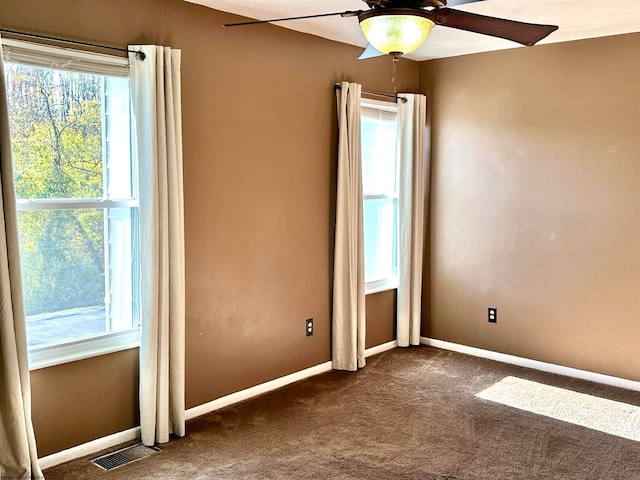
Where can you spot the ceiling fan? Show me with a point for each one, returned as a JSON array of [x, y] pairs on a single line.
[[397, 27]]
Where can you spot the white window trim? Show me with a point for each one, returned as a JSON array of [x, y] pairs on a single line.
[[379, 105], [377, 286], [49, 355], [381, 196], [63, 58], [72, 204]]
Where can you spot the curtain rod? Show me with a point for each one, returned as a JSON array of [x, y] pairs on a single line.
[[140, 55], [376, 94]]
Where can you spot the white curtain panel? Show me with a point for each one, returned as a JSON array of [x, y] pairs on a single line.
[[18, 453], [155, 87], [411, 215], [349, 327]]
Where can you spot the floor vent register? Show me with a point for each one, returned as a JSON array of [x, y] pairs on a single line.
[[124, 456]]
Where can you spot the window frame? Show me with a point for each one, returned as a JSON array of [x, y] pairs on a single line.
[[389, 282], [38, 55]]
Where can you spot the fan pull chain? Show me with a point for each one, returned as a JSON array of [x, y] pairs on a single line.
[[393, 76], [396, 57]]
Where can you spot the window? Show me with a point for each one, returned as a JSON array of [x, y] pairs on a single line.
[[75, 182], [380, 192]]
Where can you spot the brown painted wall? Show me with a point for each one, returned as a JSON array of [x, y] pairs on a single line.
[[535, 205], [259, 172], [80, 401], [381, 318]]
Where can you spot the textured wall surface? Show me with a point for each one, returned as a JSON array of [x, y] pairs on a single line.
[[535, 205]]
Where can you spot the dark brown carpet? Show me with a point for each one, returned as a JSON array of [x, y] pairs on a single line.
[[410, 414]]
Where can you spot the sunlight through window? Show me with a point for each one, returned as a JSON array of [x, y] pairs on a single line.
[[608, 416]]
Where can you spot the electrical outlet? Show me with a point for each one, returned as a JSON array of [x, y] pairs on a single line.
[[493, 315], [309, 327]]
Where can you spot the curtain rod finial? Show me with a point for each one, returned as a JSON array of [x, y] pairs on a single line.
[[141, 56]]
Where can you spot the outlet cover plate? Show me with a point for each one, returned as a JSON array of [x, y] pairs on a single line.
[[492, 314], [309, 327]]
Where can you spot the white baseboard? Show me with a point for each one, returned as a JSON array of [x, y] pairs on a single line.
[[534, 364], [255, 391], [274, 384], [89, 448], [380, 348], [134, 433]]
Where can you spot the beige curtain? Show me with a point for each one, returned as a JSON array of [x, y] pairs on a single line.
[[413, 173], [18, 454], [155, 87], [348, 275]]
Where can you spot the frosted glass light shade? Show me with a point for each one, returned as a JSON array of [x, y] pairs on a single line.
[[396, 33]]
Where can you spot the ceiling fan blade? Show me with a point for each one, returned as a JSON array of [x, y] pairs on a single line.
[[415, 3], [520, 32], [348, 13], [453, 3], [370, 52]]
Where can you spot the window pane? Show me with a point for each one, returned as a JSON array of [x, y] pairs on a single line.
[[56, 132], [117, 138], [63, 270], [123, 268], [379, 239], [378, 156], [71, 139], [379, 182]]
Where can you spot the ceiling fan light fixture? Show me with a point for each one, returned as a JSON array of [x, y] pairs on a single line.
[[391, 33]]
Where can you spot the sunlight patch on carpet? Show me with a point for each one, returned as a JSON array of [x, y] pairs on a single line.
[[608, 416]]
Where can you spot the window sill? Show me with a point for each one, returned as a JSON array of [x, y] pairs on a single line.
[[47, 356], [381, 285]]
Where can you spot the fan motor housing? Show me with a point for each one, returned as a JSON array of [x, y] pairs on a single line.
[[405, 3]]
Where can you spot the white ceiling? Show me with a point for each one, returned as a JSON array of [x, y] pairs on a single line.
[[577, 19]]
